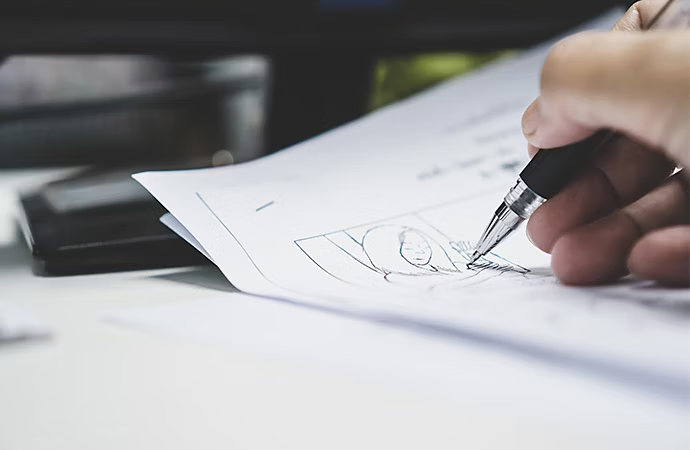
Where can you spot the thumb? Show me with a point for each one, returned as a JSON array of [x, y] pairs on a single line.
[[634, 83]]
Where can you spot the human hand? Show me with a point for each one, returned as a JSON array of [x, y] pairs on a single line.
[[624, 214]]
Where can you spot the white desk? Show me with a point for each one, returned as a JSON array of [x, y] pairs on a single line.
[[97, 386]]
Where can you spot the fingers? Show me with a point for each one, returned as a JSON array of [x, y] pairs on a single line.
[[663, 255], [636, 18], [632, 169], [598, 252], [584, 200], [635, 83], [621, 174], [639, 15]]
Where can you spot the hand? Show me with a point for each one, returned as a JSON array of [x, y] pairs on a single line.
[[626, 213]]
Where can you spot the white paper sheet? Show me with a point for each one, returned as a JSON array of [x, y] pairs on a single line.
[[422, 177], [395, 246], [461, 373], [171, 222]]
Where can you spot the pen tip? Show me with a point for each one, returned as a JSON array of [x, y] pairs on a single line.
[[475, 256]]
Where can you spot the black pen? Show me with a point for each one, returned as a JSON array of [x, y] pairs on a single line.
[[552, 169], [548, 172]]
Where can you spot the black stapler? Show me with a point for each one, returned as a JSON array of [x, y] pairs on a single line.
[[99, 222]]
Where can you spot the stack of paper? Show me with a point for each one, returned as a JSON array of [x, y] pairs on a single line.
[[377, 218]]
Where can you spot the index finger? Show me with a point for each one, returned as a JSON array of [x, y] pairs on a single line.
[[634, 83], [637, 18]]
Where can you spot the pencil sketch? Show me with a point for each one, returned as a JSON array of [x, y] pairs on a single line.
[[407, 250]]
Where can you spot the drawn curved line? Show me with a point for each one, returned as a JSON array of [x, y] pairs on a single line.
[[351, 237], [319, 266], [427, 237], [431, 249], [244, 250], [347, 253], [493, 190], [673, 389], [524, 269]]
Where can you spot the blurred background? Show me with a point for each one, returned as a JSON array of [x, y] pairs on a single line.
[[112, 88], [205, 82], [121, 110], [130, 110]]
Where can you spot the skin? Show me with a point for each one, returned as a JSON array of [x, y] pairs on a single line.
[[625, 214]]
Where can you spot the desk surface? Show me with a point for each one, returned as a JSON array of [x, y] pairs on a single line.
[[97, 386]]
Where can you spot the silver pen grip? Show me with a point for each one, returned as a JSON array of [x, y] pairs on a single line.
[[517, 206], [522, 200]]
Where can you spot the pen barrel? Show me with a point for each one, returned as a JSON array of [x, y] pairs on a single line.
[[552, 169]]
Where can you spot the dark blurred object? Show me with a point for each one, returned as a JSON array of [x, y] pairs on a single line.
[[99, 222], [214, 27], [115, 111], [322, 53]]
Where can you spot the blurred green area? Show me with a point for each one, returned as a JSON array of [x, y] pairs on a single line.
[[399, 77]]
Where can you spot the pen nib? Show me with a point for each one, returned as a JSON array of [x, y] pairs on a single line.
[[475, 256]]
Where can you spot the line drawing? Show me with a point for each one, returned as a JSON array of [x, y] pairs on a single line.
[[265, 206], [658, 381], [636, 300], [410, 250]]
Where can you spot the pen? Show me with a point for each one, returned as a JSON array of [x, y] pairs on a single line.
[[552, 169]]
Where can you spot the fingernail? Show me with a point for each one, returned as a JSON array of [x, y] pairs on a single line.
[[531, 119]]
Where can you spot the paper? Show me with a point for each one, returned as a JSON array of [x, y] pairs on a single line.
[[171, 222], [462, 373], [396, 247], [377, 218], [19, 325]]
